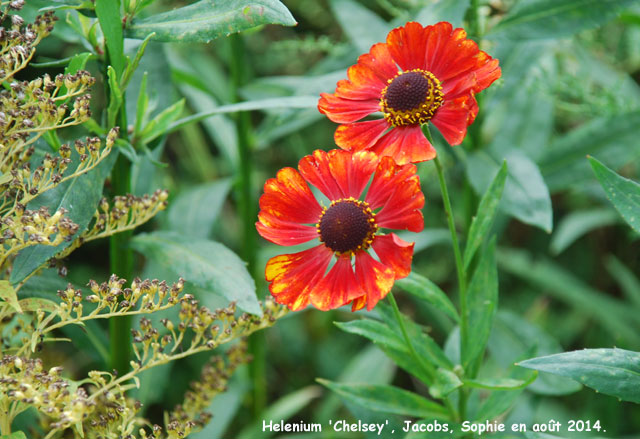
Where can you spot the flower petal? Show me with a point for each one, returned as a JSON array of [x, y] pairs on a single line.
[[352, 171], [454, 58], [292, 276], [283, 232], [402, 210], [315, 170], [337, 288], [339, 174], [449, 52], [358, 303], [342, 110], [453, 118], [375, 278], [360, 135], [407, 45], [379, 60], [487, 72], [389, 175], [363, 84], [288, 197], [405, 144], [395, 253]]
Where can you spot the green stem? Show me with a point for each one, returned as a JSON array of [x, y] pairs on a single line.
[[5, 418], [428, 368], [462, 279], [248, 214], [121, 258], [473, 15], [121, 263]]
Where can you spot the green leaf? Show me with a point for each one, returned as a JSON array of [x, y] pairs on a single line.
[[160, 124], [263, 104], [500, 401], [443, 10], [193, 212], [206, 20], [14, 435], [32, 304], [69, 4], [622, 192], [616, 317], [115, 96], [77, 62], [543, 19], [142, 106], [579, 223], [525, 197], [108, 12], [614, 372], [363, 27], [498, 383], [370, 366], [446, 381], [80, 196], [281, 409], [8, 295], [611, 137], [482, 305], [207, 264], [424, 289], [424, 345], [513, 338], [387, 399], [389, 342], [627, 280], [132, 66], [486, 212]]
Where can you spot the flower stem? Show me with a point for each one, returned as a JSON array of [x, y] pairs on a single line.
[[121, 262], [121, 257], [462, 278], [248, 214], [474, 18]]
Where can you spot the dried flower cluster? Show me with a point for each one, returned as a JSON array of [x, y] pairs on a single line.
[[100, 407], [29, 110], [21, 227], [17, 44], [190, 415], [126, 213]]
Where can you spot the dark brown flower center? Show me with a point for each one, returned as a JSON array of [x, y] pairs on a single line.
[[347, 225], [411, 98]]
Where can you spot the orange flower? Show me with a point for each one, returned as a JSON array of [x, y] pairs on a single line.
[[349, 228], [420, 75]]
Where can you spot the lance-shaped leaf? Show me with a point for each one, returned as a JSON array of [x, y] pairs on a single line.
[[614, 372], [387, 399], [486, 212], [8, 295], [207, 264], [206, 20], [622, 192], [426, 290], [542, 19], [482, 303]]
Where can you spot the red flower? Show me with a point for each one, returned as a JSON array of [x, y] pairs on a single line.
[[420, 75], [347, 229]]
